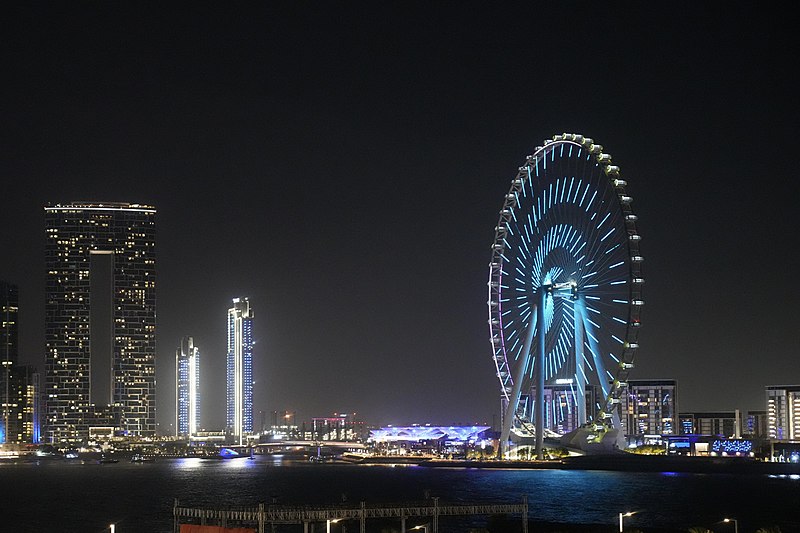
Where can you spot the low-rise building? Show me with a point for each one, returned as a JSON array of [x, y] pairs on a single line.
[[783, 412], [720, 423]]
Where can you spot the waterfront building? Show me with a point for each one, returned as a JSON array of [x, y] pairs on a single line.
[[720, 423], [20, 390], [560, 412], [342, 427], [783, 412], [22, 403], [239, 420], [649, 407], [434, 440], [187, 388], [100, 319], [757, 424], [9, 351]]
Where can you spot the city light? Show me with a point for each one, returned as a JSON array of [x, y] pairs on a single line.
[[622, 516], [735, 523]]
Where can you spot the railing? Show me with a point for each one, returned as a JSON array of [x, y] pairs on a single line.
[[271, 515]]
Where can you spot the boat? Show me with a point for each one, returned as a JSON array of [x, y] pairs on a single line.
[[104, 459], [139, 458]]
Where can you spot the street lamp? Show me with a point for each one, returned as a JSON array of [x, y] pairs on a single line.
[[623, 515], [112, 527], [735, 523], [423, 527], [328, 524]]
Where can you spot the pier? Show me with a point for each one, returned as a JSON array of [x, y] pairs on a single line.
[[271, 516]]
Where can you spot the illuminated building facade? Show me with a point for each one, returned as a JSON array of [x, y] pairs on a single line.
[[341, 427], [783, 412], [100, 319], [187, 388], [20, 392], [719, 423], [649, 407], [9, 351], [454, 441], [239, 420], [757, 424], [560, 412]]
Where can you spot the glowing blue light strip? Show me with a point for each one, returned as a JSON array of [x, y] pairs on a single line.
[[585, 192], [590, 201]]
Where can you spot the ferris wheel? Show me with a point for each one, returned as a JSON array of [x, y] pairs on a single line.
[[565, 289]]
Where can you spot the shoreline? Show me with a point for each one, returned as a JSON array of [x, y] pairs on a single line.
[[634, 463]]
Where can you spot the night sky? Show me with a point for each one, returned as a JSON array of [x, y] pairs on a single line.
[[343, 166]]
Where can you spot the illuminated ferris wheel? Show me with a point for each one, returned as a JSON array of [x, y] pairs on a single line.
[[564, 293]]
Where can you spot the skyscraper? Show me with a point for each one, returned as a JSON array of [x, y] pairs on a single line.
[[100, 319], [9, 338], [187, 389], [239, 419], [19, 384]]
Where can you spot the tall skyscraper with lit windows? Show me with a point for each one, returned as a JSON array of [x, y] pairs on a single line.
[[9, 350], [187, 389], [100, 319], [20, 391], [239, 418]]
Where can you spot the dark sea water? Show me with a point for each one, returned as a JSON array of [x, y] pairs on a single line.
[[72, 497]]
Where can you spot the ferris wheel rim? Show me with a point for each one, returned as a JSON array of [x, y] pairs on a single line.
[[632, 261]]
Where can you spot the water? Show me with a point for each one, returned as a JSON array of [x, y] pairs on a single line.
[[72, 497]]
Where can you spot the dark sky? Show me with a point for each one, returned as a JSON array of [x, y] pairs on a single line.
[[343, 166]]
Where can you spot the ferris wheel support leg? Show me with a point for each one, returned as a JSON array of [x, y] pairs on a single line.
[[580, 372], [600, 368], [539, 371], [513, 400]]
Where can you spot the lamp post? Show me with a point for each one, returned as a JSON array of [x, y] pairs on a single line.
[[328, 524], [112, 527], [623, 515], [424, 527], [735, 523]]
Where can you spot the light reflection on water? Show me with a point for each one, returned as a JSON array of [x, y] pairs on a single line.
[[88, 497], [189, 462]]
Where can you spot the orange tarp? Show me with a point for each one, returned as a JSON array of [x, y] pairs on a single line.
[[192, 528]]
